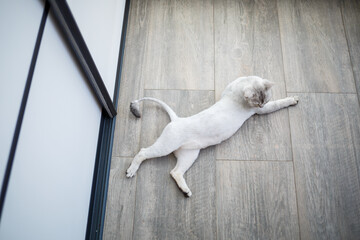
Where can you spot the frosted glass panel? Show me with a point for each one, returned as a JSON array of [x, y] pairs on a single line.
[[50, 185], [100, 23], [19, 25]]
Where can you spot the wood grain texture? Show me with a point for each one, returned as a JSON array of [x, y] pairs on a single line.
[[327, 179], [351, 18], [247, 42], [199, 45], [127, 130], [120, 202], [315, 52], [256, 200], [162, 211], [179, 51]]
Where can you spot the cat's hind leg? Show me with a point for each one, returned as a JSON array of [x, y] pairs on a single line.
[[164, 145], [185, 158]]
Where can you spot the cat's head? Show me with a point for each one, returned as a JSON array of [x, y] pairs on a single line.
[[258, 92]]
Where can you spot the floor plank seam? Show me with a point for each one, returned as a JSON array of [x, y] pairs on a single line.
[[214, 100], [293, 167], [173, 89], [282, 52], [288, 114], [245, 160], [348, 50], [296, 196], [214, 86], [133, 228], [336, 93], [122, 156]]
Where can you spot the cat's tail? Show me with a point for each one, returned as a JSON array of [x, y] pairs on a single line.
[[135, 107]]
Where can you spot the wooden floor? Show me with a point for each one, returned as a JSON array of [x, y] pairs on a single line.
[[293, 174]]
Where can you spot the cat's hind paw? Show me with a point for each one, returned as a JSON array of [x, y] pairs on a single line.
[[187, 194], [135, 109], [130, 172]]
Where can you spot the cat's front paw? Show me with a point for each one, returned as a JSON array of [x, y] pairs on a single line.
[[294, 100]]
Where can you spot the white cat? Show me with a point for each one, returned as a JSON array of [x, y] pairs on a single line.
[[185, 137]]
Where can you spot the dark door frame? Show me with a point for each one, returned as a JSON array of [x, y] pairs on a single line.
[[99, 191], [73, 35]]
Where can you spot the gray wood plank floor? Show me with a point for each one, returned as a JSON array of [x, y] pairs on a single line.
[[120, 201], [256, 200], [316, 57], [325, 166], [162, 211], [293, 174], [178, 37], [351, 18]]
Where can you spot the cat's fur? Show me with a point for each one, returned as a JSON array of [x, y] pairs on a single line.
[[185, 137]]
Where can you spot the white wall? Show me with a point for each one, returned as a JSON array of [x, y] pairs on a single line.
[[19, 25], [50, 185]]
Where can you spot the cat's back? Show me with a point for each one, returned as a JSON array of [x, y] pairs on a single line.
[[215, 124]]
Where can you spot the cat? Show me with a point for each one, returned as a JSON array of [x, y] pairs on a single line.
[[185, 137]]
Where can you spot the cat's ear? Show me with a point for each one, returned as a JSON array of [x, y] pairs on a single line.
[[248, 94], [268, 84]]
